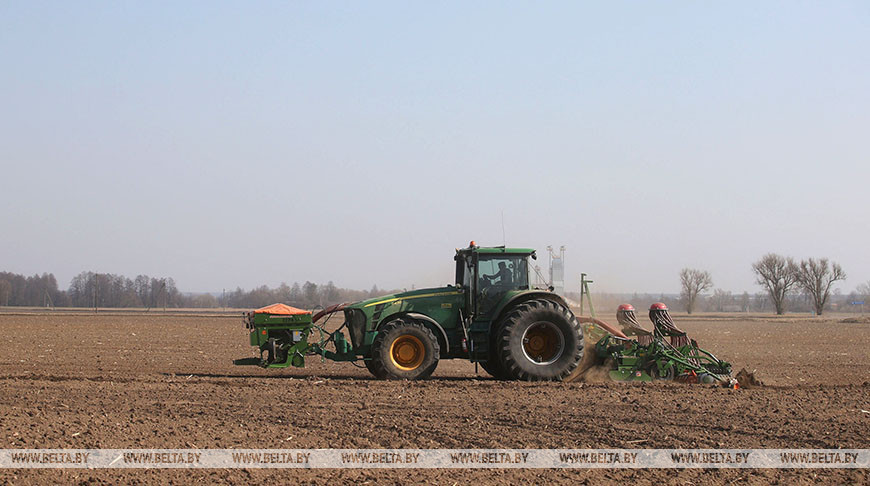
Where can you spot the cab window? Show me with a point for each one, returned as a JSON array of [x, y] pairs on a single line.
[[503, 271]]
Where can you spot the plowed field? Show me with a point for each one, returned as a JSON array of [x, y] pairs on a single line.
[[140, 381]]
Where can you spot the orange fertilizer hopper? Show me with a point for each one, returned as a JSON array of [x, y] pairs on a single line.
[[281, 310]]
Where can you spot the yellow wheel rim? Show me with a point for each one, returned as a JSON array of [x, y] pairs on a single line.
[[543, 343], [407, 352]]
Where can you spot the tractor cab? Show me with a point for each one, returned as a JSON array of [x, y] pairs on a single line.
[[488, 274]]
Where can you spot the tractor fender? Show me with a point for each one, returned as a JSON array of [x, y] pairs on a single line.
[[522, 297], [441, 333]]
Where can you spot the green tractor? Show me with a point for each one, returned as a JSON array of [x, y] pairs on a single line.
[[491, 315]]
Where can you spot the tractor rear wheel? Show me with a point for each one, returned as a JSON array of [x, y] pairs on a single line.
[[494, 368], [540, 340], [404, 350], [493, 364]]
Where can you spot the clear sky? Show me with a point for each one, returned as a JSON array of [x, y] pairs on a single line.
[[244, 143]]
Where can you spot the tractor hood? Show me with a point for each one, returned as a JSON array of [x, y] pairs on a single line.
[[409, 297], [438, 306]]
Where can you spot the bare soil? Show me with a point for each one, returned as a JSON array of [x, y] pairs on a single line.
[[140, 381]]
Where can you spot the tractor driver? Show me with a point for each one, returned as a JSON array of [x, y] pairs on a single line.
[[503, 275]]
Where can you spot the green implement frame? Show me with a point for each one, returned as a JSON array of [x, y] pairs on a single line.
[[660, 360], [284, 340]]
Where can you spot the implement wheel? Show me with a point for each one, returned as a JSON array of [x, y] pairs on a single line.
[[404, 350], [540, 340], [667, 374]]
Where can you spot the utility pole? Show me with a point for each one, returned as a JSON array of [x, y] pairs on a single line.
[[584, 292], [46, 301]]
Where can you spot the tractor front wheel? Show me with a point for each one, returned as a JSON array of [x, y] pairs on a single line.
[[374, 370], [404, 351]]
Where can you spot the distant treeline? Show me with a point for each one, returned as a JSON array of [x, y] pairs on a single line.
[[723, 301], [89, 289], [306, 296]]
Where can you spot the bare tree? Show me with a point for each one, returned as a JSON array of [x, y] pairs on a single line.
[[816, 278], [309, 293], [693, 282], [864, 290], [721, 298], [330, 293], [744, 301], [5, 291], [777, 274]]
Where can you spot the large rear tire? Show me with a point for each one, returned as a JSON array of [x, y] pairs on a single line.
[[494, 369], [493, 364], [404, 350], [540, 340]]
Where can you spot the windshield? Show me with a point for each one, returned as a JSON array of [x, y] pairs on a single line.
[[505, 271]]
